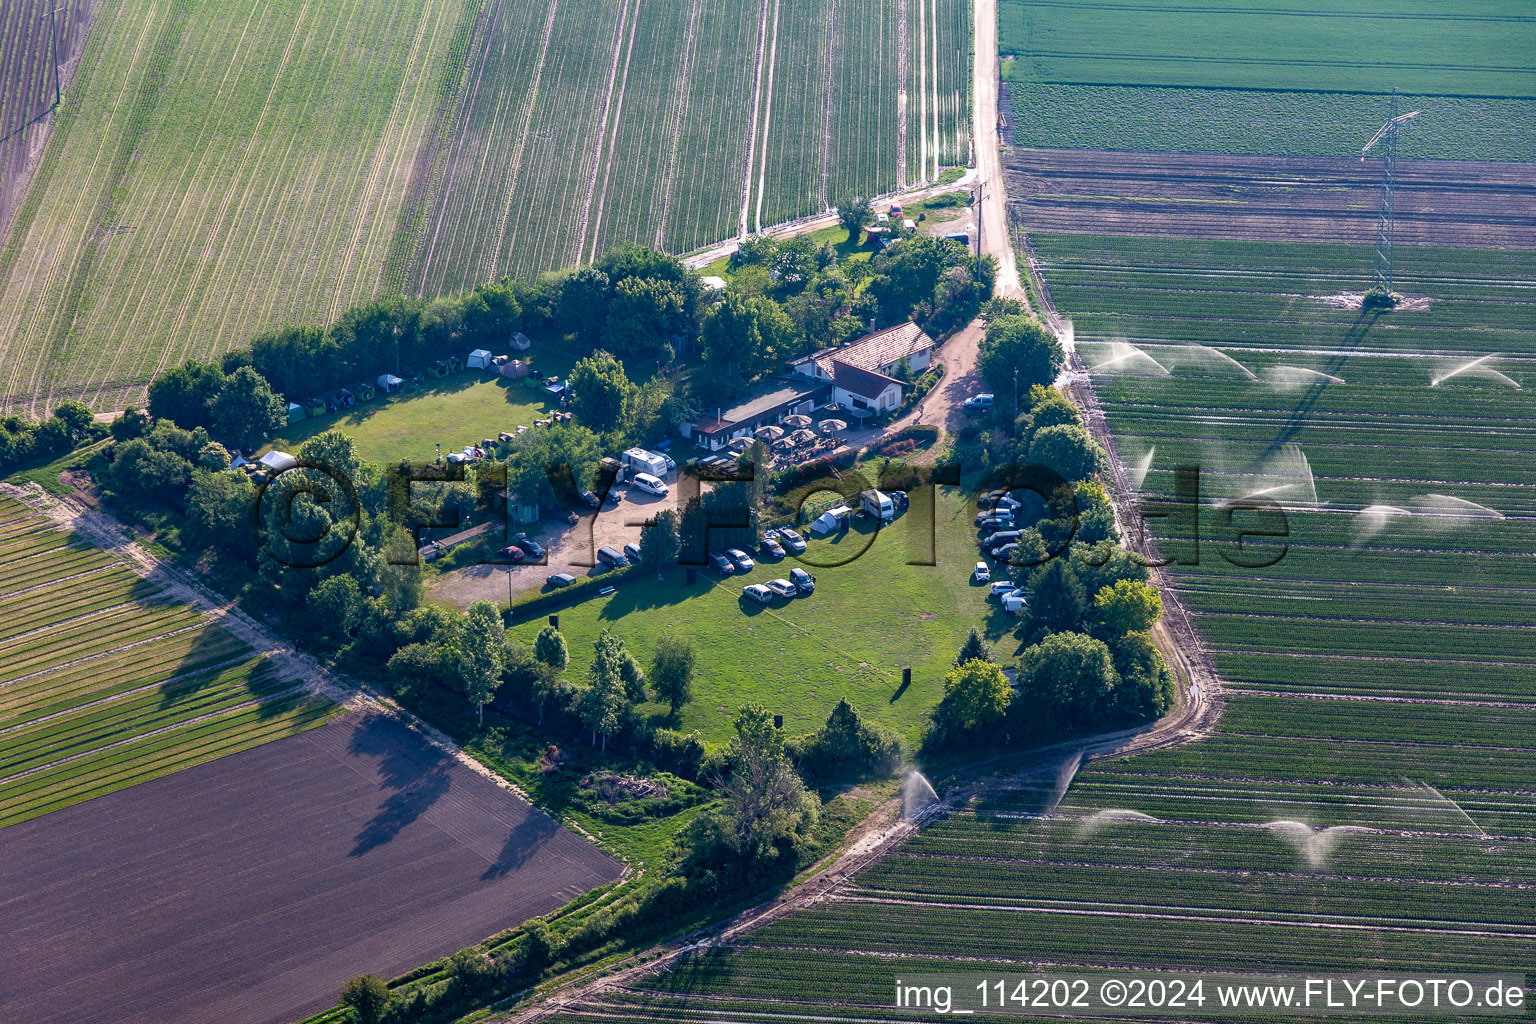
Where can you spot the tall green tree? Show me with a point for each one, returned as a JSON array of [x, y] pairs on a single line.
[[744, 338], [672, 665], [368, 997], [602, 395], [549, 648], [1069, 450], [660, 542], [766, 801], [974, 649], [246, 410], [1068, 677], [185, 394], [1127, 606], [978, 694], [1017, 352], [481, 654], [853, 213]]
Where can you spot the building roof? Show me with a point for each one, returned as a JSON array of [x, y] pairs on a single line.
[[787, 392], [882, 348], [858, 381]]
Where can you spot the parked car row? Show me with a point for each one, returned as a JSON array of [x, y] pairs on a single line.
[[998, 537], [799, 582]]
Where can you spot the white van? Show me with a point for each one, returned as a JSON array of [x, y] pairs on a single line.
[[649, 484]]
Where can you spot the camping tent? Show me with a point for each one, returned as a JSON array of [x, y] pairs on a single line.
[[388, 382], [295, 412], [278, 462], [480, 359], [714, 284], [521, 342], [830, 520], [514, 370]]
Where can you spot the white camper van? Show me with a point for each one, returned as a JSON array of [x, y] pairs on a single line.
[[638, 460], [877, 504]]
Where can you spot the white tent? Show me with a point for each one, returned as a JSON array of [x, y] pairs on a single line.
[[479, 359], [521, 342], [714, 284], [830, 520], [278, 462], [388, 382]]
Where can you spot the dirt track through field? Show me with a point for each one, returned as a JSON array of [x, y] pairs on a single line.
[[1438, 202]]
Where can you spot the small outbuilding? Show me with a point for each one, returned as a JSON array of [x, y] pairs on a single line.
[[480, 359], [277, 462], [712, 283]]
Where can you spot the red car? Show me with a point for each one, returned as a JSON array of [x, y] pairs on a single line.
[[512, 553]]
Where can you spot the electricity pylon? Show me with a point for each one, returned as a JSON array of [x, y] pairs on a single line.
[[1388, 136]]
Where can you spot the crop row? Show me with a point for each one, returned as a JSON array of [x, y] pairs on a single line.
[[1314, 897], [1425, 853], [177, 657], [106, 771]]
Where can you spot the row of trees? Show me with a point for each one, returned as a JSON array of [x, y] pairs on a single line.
[[1088, 658], [22, 441]]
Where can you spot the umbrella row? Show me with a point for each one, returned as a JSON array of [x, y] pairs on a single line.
[[779, 441]]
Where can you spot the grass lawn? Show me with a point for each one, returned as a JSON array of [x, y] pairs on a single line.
[[866, 620], [457, 410]]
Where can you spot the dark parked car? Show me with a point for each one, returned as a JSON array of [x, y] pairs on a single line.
[[992, 524], [1002, 537], [612, 557], [740, 559], [770, 548], [791, 541], [632, 552], [528, 544], [560, 579], [591, 500], [803, 581], [1006, 552], [720, 563]]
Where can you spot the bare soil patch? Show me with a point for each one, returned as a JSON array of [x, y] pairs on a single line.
[[1299, 199], [249, 889]]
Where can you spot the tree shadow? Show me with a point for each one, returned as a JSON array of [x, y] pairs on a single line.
[[527, 839], [414, 774]]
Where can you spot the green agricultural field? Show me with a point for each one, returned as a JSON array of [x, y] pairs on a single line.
[[216, 169], [585, 125], [107, 682], [1208, 76], [850, 639], [456, 411]]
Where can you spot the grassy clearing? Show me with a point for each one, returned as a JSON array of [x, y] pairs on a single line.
[[1210, 77], [216, 169], [107, 683], [850, 639], [456, 411]]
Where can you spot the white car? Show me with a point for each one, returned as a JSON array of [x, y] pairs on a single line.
[[757, 592], [1001, 587], [981, 574], [1014, 602]]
